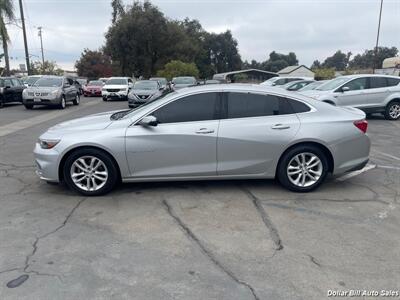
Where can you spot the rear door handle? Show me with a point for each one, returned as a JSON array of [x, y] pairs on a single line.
[[204, 131], [280, 126]]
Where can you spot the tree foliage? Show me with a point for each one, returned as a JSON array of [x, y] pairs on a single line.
[[6, 14], [339, 61], [366, 59], [178, 68], [49, 68], [94, 64], [275, 62], [142, 41]]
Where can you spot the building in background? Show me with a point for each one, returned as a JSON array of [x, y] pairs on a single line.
[[245, 76], [296, 71]]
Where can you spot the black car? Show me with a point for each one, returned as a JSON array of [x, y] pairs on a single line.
[[10, 90]]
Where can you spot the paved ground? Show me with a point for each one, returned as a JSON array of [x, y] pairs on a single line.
[[194, 240]]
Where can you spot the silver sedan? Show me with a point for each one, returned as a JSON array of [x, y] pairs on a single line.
[[207, 132]]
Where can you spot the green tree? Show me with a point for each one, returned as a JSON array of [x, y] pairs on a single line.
[[49, 68], [366, 59], [94, 64], [316, 64], [339, 61], [178, 68], [324, 73], [279, 61], [118, 10], [6, 13]]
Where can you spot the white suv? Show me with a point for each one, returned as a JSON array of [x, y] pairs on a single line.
[[371, 93], [117, 88]]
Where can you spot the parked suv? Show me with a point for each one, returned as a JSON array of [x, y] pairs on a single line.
[[370, 93], [117, 88], [10, 90], [51, 91]]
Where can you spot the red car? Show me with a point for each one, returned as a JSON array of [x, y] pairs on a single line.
[[93, 88]]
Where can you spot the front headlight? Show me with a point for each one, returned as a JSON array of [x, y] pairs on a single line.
[[55, 93], [47, 143]]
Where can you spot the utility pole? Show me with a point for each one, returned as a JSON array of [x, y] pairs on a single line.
[[21, 9], [41, 44], [377, 39]]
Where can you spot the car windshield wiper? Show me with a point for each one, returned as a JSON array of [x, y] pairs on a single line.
[[119, 114]]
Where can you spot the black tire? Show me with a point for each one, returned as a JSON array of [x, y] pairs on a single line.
[[104, 98], [287, 157], [77, 99], [63, 103], [28, 106], [1, 102], [113, 174], [389, 111]]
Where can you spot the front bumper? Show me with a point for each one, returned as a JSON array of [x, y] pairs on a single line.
[[46, 161], [42, 101], [114, 96]]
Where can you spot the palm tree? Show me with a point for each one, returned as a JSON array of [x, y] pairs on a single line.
[[6, 13]]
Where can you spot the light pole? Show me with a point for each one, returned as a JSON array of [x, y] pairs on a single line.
[[41, 45], [21, 9], [377, 38]]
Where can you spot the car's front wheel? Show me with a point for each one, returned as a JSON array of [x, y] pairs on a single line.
[[63, 103], [76, 100], [28, 106], [392, 111], [90, 172], [302, 168]]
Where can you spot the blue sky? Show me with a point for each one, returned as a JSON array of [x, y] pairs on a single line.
[[313, 29]]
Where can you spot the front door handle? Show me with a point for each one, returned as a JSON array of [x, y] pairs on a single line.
[[204, 131], [280, 126]]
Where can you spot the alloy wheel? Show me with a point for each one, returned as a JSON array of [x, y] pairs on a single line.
[[89, 173], [304, 169], [394, 111]]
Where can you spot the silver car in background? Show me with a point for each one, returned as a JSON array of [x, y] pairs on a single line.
[[182, 82], [370, 93], [51, 91], [207, 132]]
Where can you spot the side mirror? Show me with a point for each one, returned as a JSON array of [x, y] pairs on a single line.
[[148, 121], [345, 89], [161, 88], [7, 87], [273, 84]]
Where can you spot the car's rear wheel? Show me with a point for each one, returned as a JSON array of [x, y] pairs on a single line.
[[28, 106], [63, 103], [76, 100], [392, 111], [302, 168], [90, 172], [104, 98]]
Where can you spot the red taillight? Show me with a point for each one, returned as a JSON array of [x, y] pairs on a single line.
[[362, 125]]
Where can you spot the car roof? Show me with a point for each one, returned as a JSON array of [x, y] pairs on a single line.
[[353, 76]]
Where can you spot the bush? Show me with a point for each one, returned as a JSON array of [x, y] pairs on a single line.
[[324, 73], [178, 68]]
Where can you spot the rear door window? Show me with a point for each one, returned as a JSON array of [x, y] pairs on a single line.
[[393, 81], [247, 105], [377, 82]]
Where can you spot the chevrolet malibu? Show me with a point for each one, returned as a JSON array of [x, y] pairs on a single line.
[[205, 133]]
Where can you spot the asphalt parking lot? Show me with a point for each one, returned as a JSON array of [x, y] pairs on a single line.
[[194, 240]]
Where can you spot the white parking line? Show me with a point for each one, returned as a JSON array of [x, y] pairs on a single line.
[[387, 155], [356, 173], [388, 167], [19, 125]]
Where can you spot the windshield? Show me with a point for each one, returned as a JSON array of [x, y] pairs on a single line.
[[163, 81], [332, 84], [95, 83], [118, 81], [82, 81], [49, 82], [145, 85], [311, 86], [184, 80], [31, 80]]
